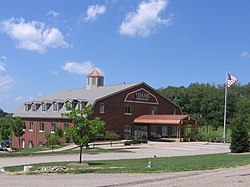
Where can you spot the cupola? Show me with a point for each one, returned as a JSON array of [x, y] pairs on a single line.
[[94, 80]]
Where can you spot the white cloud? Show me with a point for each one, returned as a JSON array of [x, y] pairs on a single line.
[[245, 54], [6, 83], [30, 98], [19, 98], [93, 11], [53, 13], [40, 94], [34, 36], [3, 57], [145, 19], [2, 67], [54, 72], [80, 68]]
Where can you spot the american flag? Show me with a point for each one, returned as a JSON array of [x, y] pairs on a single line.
[[231, 80]]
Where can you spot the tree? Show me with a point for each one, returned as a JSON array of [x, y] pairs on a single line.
[[110, 135], [68, 134], [52, 140], [18, 129], [239, 138], [85, 129], [59, 133], [5, 127]]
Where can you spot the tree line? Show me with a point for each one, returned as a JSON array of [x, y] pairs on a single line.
[[205, 102]]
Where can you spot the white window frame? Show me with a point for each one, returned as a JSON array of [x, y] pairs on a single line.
[[53, 128], [128, 110], [55, 107], [44, 107], [33, 107], [102, 108], [42, 124], [68, 104], [27, 107], [31, 124]]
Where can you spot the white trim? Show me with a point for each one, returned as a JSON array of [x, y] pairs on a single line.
[[141, 89]]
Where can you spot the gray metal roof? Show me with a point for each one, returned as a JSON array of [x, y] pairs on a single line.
[[90, 96]]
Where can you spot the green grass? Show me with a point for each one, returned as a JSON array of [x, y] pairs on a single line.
[[159, 165], [212, 134]]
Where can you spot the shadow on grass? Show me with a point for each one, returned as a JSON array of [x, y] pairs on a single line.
[[97, 164]]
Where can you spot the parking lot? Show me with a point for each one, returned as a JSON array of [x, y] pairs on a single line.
[[221, 177], [159, 149]]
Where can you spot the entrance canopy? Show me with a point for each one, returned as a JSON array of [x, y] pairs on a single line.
[[165, 119]]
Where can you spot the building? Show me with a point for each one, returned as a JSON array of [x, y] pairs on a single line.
[[133, 109]]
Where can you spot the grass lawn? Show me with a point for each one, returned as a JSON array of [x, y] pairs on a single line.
[[159, 165]]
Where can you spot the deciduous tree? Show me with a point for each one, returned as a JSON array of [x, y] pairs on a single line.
[[84, 129]]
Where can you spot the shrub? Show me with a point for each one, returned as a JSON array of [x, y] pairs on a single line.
[[240, 138], [128, 143]]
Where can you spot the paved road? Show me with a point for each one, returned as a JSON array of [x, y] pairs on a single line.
[[159, 149], [222, 177], [236, 177]]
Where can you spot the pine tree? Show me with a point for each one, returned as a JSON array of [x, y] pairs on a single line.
[[240, 138]]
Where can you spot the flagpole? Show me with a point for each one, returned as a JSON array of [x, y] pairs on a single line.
[[225, 109]]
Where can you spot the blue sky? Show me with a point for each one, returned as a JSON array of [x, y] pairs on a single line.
[[46, 46]]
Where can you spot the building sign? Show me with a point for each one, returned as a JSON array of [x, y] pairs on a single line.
[[141, 96]]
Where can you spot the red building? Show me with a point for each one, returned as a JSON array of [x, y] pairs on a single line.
[[128, 109]]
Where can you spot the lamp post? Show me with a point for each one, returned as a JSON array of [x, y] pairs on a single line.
[[133, 111]]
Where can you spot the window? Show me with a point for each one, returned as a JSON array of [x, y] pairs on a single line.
[[102, 108], [55, 107], [128, 109], [66, 126], [27, 107], [94, 81], [31, 126], [44, 108], [30, 144], [174, 111], [164, 131], [80, 105], [41, 129], [154, 110], [127, 129], [33, 107], [174, 131], [68, 106], [40, 144], [53, 127]]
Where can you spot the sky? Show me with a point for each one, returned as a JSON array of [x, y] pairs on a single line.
[[50, 45]]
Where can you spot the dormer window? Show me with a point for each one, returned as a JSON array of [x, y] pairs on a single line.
[[44, 107], [80, 105], [55, 107], [68, 106], [34, 107], [27, 107]]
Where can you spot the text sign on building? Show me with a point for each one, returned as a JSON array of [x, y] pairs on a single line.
[[141, 96]]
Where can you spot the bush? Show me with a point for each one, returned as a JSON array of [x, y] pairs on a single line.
[[136, 141], [240, 138], [128, 143]]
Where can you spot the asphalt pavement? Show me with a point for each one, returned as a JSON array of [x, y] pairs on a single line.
[[221, 177]]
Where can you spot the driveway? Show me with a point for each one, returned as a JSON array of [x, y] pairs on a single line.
[[222, 177], [160, 149]]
